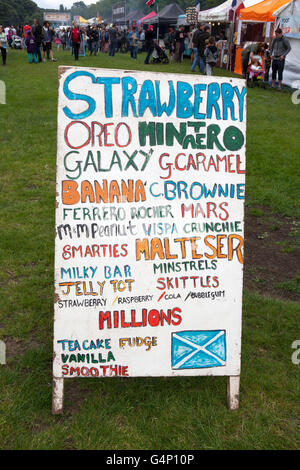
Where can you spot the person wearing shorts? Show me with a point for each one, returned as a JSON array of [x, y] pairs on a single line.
[[47, 42]]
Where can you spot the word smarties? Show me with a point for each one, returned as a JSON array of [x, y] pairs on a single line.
[[200, 101]]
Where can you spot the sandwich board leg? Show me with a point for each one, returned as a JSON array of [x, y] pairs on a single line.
[[57, 396], [233, 392]]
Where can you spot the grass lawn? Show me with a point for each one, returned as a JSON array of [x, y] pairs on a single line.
[[155, 413]]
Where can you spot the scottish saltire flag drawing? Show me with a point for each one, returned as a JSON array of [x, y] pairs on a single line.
[[150, 3], [197, 349], [197, 6]]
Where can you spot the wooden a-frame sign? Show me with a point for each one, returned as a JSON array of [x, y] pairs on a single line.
[[149, 226]]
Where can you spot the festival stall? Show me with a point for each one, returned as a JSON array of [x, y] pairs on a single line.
[[165, 18], [168, 15], [222, 20], [150, 15], [256, 23], [95, 20], [80, 21], [262, 11], [287, 18], [132, 18], [182, 20], [223, 13]]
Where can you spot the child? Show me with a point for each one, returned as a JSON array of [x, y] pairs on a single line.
[[31, 47], [211, 54], [256, 70], [58, 40]]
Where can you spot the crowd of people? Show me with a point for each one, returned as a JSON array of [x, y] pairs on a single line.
[[94, 39], [39, 41], [36, 39]]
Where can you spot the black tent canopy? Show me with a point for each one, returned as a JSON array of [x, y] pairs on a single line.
[[168, 14], [134, 15]]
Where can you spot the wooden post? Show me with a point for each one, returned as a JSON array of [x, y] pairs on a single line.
[[2, 353], [57, 396], [157, 32], [233, 392]]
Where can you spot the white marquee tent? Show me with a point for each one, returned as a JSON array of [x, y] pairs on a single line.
[[288, 19], [221, 12]]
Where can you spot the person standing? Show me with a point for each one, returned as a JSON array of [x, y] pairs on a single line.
[[133, 43], [190, 35], [26, 29], [201, 45], [31, 48], [279, 49], [64, 39], [267, 64], [3, 45], [9, 37], [171, 43], [69, 38], [123, 42], [89, 42], [193, 29], [195, 38], [37, 32], [76, 39], [58, 40], [149, 42], [129, 40], [211, 55], [94, 39], [179, 43], [112, 40], [19, 31], [106, 41], [142, 40], [48, 34]]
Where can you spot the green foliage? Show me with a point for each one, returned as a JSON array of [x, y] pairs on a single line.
[[14, 12], [21, 11]]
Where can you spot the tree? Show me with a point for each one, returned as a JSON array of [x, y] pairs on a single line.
[[104, 7], [14, 12], [79, 9], [17, 11]]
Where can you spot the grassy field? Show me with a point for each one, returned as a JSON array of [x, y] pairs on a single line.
[[172, 413]]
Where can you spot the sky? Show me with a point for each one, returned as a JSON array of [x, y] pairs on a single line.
[[56, 3]]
